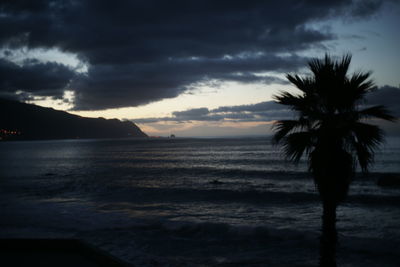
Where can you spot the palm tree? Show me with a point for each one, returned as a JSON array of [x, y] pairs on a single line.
[[330, 129]]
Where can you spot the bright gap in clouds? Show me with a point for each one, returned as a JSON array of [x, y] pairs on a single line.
[[66, 103], [225, 94], [44, 55], [207, 129]]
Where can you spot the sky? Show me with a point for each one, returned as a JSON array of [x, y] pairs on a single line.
[[189, 68]]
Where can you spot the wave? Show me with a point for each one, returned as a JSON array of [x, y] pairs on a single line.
[[194, 184], [219, 244], [212, 194]]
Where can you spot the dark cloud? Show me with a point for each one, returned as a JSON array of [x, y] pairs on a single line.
[[135, 84], [259, 107], [143, 51], [388, 96], [365, 8], [34, 78], [191, 113], [7, 53]]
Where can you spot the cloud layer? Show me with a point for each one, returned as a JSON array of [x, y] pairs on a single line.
[[34, 78], [269, 111], [137, 52]]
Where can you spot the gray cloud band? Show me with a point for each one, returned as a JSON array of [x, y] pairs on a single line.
[[269, 110]]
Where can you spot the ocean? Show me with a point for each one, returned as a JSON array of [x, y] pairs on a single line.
[[193, 202]]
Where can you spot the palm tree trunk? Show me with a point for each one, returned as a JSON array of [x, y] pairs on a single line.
[[329, 235]]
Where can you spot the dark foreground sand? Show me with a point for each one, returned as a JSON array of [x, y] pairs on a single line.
[[53, 252]]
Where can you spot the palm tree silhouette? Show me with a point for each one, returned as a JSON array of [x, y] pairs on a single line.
[[330, 130]]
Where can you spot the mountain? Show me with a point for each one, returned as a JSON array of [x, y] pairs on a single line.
[[21, 121]]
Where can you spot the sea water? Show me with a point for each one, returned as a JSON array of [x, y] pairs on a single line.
[[193, 202]]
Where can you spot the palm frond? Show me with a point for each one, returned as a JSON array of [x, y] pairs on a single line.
[[359, 85], [319, 66], [359, 78], [304, 84], [288, 99], [364, 156], [367, 138], [284, 127], [341, 67], [368, 134], [380, 112], [295, 144]]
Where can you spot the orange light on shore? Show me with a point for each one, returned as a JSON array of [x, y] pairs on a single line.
[[4, 133]]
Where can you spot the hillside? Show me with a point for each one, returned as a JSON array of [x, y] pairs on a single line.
[[20, 121]]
